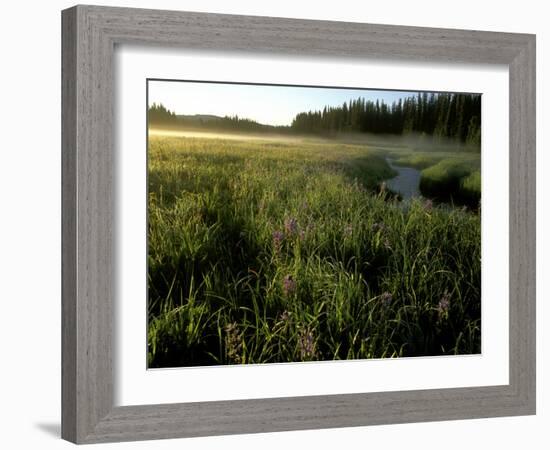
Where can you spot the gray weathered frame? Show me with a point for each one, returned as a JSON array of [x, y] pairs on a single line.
[[89, 36]]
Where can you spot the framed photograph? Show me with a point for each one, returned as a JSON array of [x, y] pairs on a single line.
[[277, 224]]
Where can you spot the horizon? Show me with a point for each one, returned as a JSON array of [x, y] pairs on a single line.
[[248, 101]]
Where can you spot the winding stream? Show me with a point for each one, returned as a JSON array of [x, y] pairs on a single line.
[[406, 182]]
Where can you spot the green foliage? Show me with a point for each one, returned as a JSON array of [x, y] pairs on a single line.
[[279, 251], [159, 114], [470, 187], [441, 115], [455, 179]]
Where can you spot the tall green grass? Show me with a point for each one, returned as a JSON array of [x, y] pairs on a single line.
[[455, 179], [262, 252], [470, 188], [418, 161]]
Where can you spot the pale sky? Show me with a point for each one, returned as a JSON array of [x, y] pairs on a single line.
[[270, 105]]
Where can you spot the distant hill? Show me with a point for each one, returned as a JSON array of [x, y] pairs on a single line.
[[161, 117], [198, 117]]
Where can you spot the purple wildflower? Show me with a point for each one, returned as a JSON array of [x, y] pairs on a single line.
[[386, 299], [291, 226], [306, 344], [289, 285], [278, 237]]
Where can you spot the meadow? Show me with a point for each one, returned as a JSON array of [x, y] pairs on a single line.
[[284, 250]]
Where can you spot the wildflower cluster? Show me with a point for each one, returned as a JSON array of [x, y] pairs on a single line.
[[290, 230]]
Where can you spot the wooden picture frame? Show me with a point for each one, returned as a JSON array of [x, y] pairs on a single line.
[[90, 34]]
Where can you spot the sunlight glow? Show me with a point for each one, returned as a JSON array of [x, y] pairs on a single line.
[[266, 104]]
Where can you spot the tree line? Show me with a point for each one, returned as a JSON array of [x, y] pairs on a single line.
[[159, 115], [455, 116], [442, 115]]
